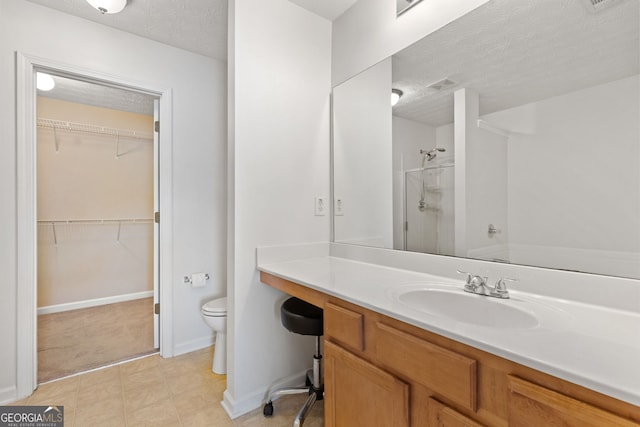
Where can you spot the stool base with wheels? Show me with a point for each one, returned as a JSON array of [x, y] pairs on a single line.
[[302, 318]]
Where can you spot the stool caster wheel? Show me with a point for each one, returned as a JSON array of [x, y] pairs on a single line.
[[268, 409]]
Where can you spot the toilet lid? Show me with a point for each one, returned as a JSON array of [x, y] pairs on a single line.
[[216, 306]]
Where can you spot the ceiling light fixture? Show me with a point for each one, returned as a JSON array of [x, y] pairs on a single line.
[[44, 82], [396, 94], [108, 6]]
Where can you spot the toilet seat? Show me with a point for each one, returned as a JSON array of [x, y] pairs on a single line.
[[215, 308]]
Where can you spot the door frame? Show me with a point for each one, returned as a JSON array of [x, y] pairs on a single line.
[[26, 225]]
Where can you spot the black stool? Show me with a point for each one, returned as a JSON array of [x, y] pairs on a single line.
[[303, 318]]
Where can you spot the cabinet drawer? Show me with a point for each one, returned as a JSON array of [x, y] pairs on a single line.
[[442, 416], [344, 326], [531, 404], [448, 374], [361, 394]]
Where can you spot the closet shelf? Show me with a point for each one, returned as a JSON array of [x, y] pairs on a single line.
[[98, 221], [102, 130], [118, 222]]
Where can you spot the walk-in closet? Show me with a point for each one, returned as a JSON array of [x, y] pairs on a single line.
[[95, 222]]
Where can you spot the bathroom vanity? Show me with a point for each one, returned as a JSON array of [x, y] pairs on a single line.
[[390, 363]]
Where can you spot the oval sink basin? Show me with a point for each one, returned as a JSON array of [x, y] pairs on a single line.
[[461, 306]]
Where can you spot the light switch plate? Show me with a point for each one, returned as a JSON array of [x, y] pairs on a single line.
[[339, 206], [320, 206]]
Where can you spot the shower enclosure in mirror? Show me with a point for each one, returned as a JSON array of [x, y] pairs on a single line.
[[428, 206], [515, 137]]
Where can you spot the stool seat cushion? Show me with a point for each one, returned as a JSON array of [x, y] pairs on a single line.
[[300, 317]]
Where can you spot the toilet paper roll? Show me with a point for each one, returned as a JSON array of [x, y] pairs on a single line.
[[198, 280]]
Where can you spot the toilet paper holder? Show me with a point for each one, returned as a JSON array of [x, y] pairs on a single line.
[[187, 279]]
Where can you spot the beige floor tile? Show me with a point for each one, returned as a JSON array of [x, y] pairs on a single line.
[[213, 416], [99, 411], [141, 396], [147, 377], [96, 392], [149, 362], [196, 400], [110, 421], [67, 387], [151, 391], [161, 413], [187, 381], [100, 376]]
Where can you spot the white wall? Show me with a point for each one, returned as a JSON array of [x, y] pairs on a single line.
[[369, 31], [198, 188], [446, 237], [279, 64], [480, 181], [362, 152]]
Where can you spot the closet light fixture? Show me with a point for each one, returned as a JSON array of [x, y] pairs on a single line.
[[44, 81], [396, 94], [108, 6]]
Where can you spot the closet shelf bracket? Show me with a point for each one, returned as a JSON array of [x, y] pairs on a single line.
[[117, 144], [55, 237], [55, 140]]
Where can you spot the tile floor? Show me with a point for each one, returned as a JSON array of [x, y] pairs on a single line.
[[79, 340], [152, 391]]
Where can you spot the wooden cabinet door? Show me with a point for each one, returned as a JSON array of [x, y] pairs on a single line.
[[360, 394], [444, 416], [533, 405]]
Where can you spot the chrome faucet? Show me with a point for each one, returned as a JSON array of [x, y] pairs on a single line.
[[478, 285]]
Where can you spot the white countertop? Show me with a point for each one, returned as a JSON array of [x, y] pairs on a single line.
[[596, 347]]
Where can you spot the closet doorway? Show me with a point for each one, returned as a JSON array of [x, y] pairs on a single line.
[[97, 240]]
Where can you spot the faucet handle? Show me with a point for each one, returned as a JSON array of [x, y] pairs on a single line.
[[500, 290], [469, 275]]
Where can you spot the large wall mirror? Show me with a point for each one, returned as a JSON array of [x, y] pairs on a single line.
[[515, 137]]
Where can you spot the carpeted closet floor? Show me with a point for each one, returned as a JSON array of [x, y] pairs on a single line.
[[74, 341]]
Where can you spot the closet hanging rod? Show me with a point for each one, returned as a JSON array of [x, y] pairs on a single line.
[[87, 128], [98, 221]]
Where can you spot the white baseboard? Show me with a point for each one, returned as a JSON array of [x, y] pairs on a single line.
[[8, 395], [93, 302], [193, 345], [236, 408]]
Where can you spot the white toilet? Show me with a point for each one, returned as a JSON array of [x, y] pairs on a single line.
[[214, 314]]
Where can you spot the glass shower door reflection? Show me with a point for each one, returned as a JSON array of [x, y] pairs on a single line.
[[428, 209]]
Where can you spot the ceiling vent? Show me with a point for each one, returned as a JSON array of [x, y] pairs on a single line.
[[441, 85], [598, 5]]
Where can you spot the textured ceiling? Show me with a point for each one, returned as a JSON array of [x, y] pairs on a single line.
[[199, 26], [514, 52]]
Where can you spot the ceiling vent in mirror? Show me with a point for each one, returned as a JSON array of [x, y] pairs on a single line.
[[598, 5], [441, 84]]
